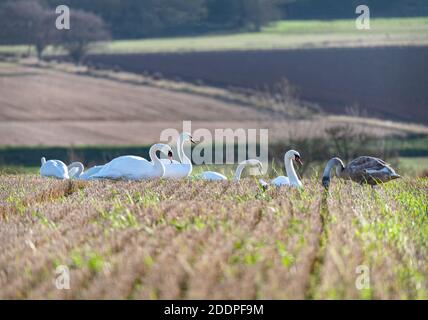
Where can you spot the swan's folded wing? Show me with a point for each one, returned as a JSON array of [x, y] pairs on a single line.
[[281, 181], [362, 164], [371, 170]]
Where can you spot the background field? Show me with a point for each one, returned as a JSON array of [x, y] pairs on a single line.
[[184, 240], [279, 35]]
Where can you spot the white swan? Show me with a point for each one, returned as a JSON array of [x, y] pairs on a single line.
[[182, 169], [54, 169], [133, 167], [292, 179], [75, 170], [87, 175], [215, 176], [58, 169]]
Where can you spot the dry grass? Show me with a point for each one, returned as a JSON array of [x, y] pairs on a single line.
[[194, 239]]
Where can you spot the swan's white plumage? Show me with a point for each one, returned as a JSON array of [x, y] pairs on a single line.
[[281, 181], [87, 175], [292, 180], [75, 170], [54, 169], [134, 167], [175, 169], [126, 167], [212, 176], [215, 176]]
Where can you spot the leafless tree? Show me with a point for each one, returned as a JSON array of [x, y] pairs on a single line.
[[86, 28], [26, 22]]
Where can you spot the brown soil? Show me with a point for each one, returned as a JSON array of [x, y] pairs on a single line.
[[48, 107]]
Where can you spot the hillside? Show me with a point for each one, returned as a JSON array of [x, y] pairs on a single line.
[[51, 107]]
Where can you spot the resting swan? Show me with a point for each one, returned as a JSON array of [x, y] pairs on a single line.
[[292, 180], [215, 176], [75, 169], [363, 169], [87, 175], [58, 169], [135, 168], [182, 169]]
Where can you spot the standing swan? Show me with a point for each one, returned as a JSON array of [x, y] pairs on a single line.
[[182, 169], [135, 168], [292, 179], [215, 176], [363, 169]]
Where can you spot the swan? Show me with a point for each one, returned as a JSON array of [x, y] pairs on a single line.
[[133, 167], [54, 169], [75, 170], [58, 169], [363, 169], [182, 169], [215, 176], [87, 175], [292, 179]]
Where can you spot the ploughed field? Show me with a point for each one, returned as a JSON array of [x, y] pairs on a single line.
[[387, 82], [50, 107], [194, 239]]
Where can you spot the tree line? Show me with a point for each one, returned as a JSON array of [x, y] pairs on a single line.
[[128, 19], [32, 22]]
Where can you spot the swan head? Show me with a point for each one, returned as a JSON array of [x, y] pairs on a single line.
[[164, 148], [187, 136], [255, 163], [326, 182], [294, 155]]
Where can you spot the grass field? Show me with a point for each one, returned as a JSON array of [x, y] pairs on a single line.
[[189, 239], [289, 35], [279, 35]]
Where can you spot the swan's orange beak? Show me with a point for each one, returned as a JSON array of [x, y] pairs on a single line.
[[298, 160]]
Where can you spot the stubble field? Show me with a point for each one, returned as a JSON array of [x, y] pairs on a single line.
[[193, 239]]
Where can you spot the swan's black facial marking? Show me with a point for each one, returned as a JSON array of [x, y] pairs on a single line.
[[192, 141], [298, 159], [170, 156], [326, 182]]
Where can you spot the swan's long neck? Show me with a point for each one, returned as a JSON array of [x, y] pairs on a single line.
[[238, 172], [180, 150], [80, 169], [43, 160], [330, 164], [291, 173], [157, 164], [334, 162]]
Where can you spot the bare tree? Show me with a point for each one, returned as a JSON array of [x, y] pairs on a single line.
[[27, 22], [86, 28]]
